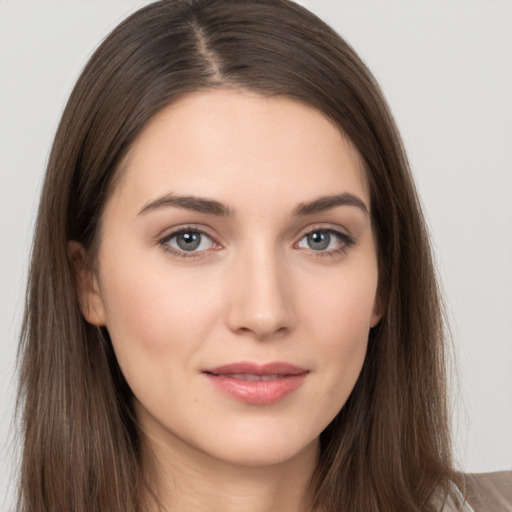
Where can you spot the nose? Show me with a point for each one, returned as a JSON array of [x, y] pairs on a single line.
[[261, 298]]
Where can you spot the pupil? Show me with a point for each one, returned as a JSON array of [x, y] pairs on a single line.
[[188, 241], [319, 240]]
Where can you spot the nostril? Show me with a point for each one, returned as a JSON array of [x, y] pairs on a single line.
[[263, 334]]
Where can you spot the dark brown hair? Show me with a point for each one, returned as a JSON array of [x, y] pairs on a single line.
[[388, 449]]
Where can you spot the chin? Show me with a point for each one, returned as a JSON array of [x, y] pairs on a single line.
[[264, 449]]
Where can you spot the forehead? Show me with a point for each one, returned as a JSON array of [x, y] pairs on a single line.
[[231, 145]]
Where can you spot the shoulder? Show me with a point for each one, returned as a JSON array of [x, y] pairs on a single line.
[[483, 492], [489, 492]]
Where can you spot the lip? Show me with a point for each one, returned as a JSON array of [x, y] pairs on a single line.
[[257, 383]]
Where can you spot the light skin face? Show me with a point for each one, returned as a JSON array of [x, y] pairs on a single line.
[[269, 270]]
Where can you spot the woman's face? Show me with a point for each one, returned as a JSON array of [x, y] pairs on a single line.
[[237, 276]]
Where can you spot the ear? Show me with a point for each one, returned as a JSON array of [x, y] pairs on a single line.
[[377, 313], [86, 282]]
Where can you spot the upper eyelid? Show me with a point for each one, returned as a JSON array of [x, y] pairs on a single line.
[[168, 233], [207, 231], [345, 237], [324, 227]]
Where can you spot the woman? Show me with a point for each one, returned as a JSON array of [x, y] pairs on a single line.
[[232, 303]]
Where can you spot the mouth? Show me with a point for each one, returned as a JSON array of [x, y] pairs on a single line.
[[257, 384], [250, 377]]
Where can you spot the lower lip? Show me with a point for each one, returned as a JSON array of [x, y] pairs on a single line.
[[259, 391]]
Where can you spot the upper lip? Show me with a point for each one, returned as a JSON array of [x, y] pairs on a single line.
[[249, 368]]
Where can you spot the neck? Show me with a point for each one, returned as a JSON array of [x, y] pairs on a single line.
[[184, 480]]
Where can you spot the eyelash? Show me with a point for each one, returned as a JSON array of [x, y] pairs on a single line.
[[164, 242], [346, 242]]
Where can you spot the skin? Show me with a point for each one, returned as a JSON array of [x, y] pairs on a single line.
[[254, 290]]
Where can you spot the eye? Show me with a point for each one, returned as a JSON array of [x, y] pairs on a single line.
[[325, 240], [187, 241]]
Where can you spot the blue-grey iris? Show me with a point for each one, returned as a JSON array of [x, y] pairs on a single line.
[[188, 241], [319, 240]]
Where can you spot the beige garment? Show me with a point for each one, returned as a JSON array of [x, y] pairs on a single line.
[[486, 492], [489, 492]]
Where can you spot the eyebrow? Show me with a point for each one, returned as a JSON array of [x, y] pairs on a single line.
[[325, 203], [197, 204], [213, 207]]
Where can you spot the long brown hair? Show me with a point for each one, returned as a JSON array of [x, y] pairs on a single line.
[[388, 449]]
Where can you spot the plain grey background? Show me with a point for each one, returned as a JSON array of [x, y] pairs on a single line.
[[446, 69]]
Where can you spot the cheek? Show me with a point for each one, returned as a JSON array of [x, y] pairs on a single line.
[[340, 318], [155, 316], [343, 304]]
